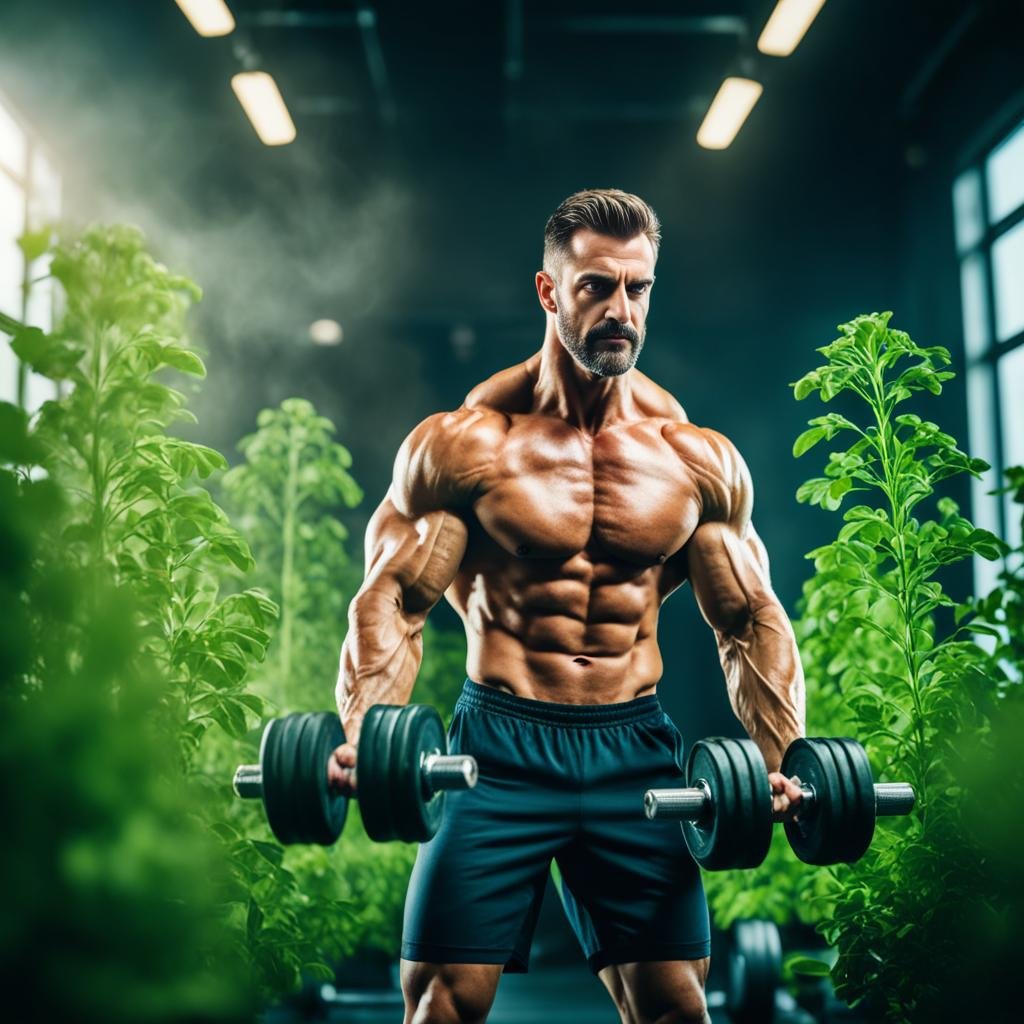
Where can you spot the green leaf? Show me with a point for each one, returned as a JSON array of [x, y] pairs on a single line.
[[808, 966], [183, 360], [29, 345], [34, 243], [807, 440]]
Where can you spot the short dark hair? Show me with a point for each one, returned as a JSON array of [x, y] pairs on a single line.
[[608, 211]]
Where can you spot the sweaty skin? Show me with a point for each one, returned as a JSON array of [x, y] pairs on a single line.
[[556, 510]]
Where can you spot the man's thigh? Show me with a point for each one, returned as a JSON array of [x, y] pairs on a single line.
[[659, 990], [448, 993]]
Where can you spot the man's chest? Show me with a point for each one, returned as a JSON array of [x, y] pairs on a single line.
[[557, 491]]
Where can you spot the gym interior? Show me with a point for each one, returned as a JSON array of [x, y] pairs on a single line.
[[247, 246]]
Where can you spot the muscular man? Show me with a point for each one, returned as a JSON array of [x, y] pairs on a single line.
[[556, 510]]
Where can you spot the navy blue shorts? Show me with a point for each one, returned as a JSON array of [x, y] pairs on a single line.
[[562, 782]]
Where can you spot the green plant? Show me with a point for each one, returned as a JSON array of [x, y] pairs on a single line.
[[912, 695], [285, 493], [137, 517], [113, 886], [137, 513]]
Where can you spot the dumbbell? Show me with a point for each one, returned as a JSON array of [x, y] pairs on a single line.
[[403, 766], [726, 809], [754, 971]]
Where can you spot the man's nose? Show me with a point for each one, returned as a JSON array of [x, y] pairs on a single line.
[[618, 306]]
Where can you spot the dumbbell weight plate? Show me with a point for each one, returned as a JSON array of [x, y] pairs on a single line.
[[294, 754], [816, 835], [755, 971], [858, 827], [372, 772], [393, 798], [736, 830]]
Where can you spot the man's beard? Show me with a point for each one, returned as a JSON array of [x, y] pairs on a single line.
[[591, 354]]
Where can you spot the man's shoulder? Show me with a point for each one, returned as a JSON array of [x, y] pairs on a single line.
[[655, 402], [721, 471], [445, 458], [505, 393]]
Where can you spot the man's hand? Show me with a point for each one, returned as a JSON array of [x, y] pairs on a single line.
[[341, 770], [786, 796]]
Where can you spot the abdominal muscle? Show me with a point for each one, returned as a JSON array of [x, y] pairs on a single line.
[[536, 629]]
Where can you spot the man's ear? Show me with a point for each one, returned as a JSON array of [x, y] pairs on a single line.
[[546, 291]]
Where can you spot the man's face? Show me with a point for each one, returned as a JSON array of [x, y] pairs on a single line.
[[603, 293]]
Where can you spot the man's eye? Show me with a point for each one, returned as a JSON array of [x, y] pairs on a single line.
[[639, 288]]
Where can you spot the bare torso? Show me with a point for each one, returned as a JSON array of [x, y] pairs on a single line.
[[574, 541]]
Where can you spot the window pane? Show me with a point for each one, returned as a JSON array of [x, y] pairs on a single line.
[[975, 310], [1005, 172], [44, 202], [967, 219], [981, 427], [38, 389], [1008, 275], [39, 308], [1011, 403], [12, 223], [12, 142], [8, 371]]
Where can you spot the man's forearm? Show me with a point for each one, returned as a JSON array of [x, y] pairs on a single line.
[[765, 681], [380, 658]]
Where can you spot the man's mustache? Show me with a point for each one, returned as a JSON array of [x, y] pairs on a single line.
[[613, 331]]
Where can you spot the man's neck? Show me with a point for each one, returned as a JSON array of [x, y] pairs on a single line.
[[584, 400]]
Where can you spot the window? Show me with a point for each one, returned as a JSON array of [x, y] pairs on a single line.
[[29, 198], [988, 211]]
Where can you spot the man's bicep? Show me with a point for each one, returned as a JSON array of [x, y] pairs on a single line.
[[412, 560], [728, 571]]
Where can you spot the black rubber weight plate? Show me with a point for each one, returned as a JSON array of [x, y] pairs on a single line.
[[859, 828], [417, 811], [814, 829], [757, 818], [743, 797], [278, 767], [708, 837], [323, 810], [755, 967], [837, 835], [372, 772], [717, 841]]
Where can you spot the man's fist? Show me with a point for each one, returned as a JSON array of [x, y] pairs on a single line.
[[786, 796], [341, 770]]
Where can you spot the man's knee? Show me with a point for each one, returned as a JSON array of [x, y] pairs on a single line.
[[666, 993], [448, 993]]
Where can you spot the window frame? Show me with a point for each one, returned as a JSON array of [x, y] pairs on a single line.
[[986, 424]]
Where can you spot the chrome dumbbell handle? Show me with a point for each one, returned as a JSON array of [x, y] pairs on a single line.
[[892, 798], [679, 804], [440, 772], [448, 771], [248, 781], [690, 804]]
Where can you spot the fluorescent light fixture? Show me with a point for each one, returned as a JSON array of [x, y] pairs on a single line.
[[728, 111], [787, 25], [325, 332], [208, 17], [262, 103]]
